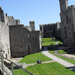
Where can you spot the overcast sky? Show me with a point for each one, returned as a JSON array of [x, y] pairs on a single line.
[[40, 11]]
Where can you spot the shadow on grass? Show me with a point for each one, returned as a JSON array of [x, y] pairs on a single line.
[[71, 68]]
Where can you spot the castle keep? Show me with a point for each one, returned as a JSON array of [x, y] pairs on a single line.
[[18, 40], [67, 15], [64, 30]]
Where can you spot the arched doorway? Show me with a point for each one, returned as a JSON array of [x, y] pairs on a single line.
[[29, 50]]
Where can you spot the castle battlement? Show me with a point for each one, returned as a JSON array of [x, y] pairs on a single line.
[[70, 7], [49, 24]]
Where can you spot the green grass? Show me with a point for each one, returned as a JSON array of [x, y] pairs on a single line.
[[61, 51], [46, 39], [34, 57], [69, 60], [51, 52], [60, 42], [48, 43], [20, 72], [53, 68]]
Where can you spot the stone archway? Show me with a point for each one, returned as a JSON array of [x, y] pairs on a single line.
[[29, 50]]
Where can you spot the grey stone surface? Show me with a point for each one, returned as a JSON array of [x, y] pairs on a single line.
[[50, 30], [67, 28], [4, 33], [6, 70], [18, 40], [24, 41], [22, 64]]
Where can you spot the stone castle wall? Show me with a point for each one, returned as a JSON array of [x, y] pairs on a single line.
[[18, 40], [9, 20], [50, 30], [67, 24], [22, 41], [4, 31]]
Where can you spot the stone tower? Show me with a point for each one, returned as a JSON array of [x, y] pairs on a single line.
[[32, 24], [63, 5], [1, 15]]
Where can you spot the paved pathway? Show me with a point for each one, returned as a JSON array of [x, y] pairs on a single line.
[[42, 62], [61, 61], [56, 43]]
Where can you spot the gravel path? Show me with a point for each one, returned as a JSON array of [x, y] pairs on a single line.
[[42, 62], [61, 61]]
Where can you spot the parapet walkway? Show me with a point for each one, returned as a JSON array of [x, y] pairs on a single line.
[[60, 61]]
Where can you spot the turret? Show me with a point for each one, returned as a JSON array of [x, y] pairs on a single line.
[[1, 15], [63, 5], [32, 24]]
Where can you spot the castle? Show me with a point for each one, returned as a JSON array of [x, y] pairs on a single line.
[[18, 40], [66, 29], [67, 15], [50, 30]]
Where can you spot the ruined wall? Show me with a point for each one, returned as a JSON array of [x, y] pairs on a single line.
[[32, 24], [17, 41], [28, 27], [4, 31], [50, 30], [67, 26], [9, 20], [35, 41], [1, 15], [23, 41]]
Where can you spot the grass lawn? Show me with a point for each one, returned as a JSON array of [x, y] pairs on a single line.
[[53, 68], [69, 60], [60, 42], [46, 39], [48, 43], [20, 72], [61, 51], [34, 57]]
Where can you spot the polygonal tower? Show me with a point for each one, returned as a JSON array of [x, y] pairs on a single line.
[[63, 5]]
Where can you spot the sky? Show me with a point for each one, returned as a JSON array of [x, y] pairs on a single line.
[[40, 11]]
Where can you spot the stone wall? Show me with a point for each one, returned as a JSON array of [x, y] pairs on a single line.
[[35, 41], [67, 25], [4, 31], [50, 30], [9, 20], [1, 15], [23, 41], [32, 25]]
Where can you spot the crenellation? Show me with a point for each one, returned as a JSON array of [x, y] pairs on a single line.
[[50, 30], [67, 20]]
